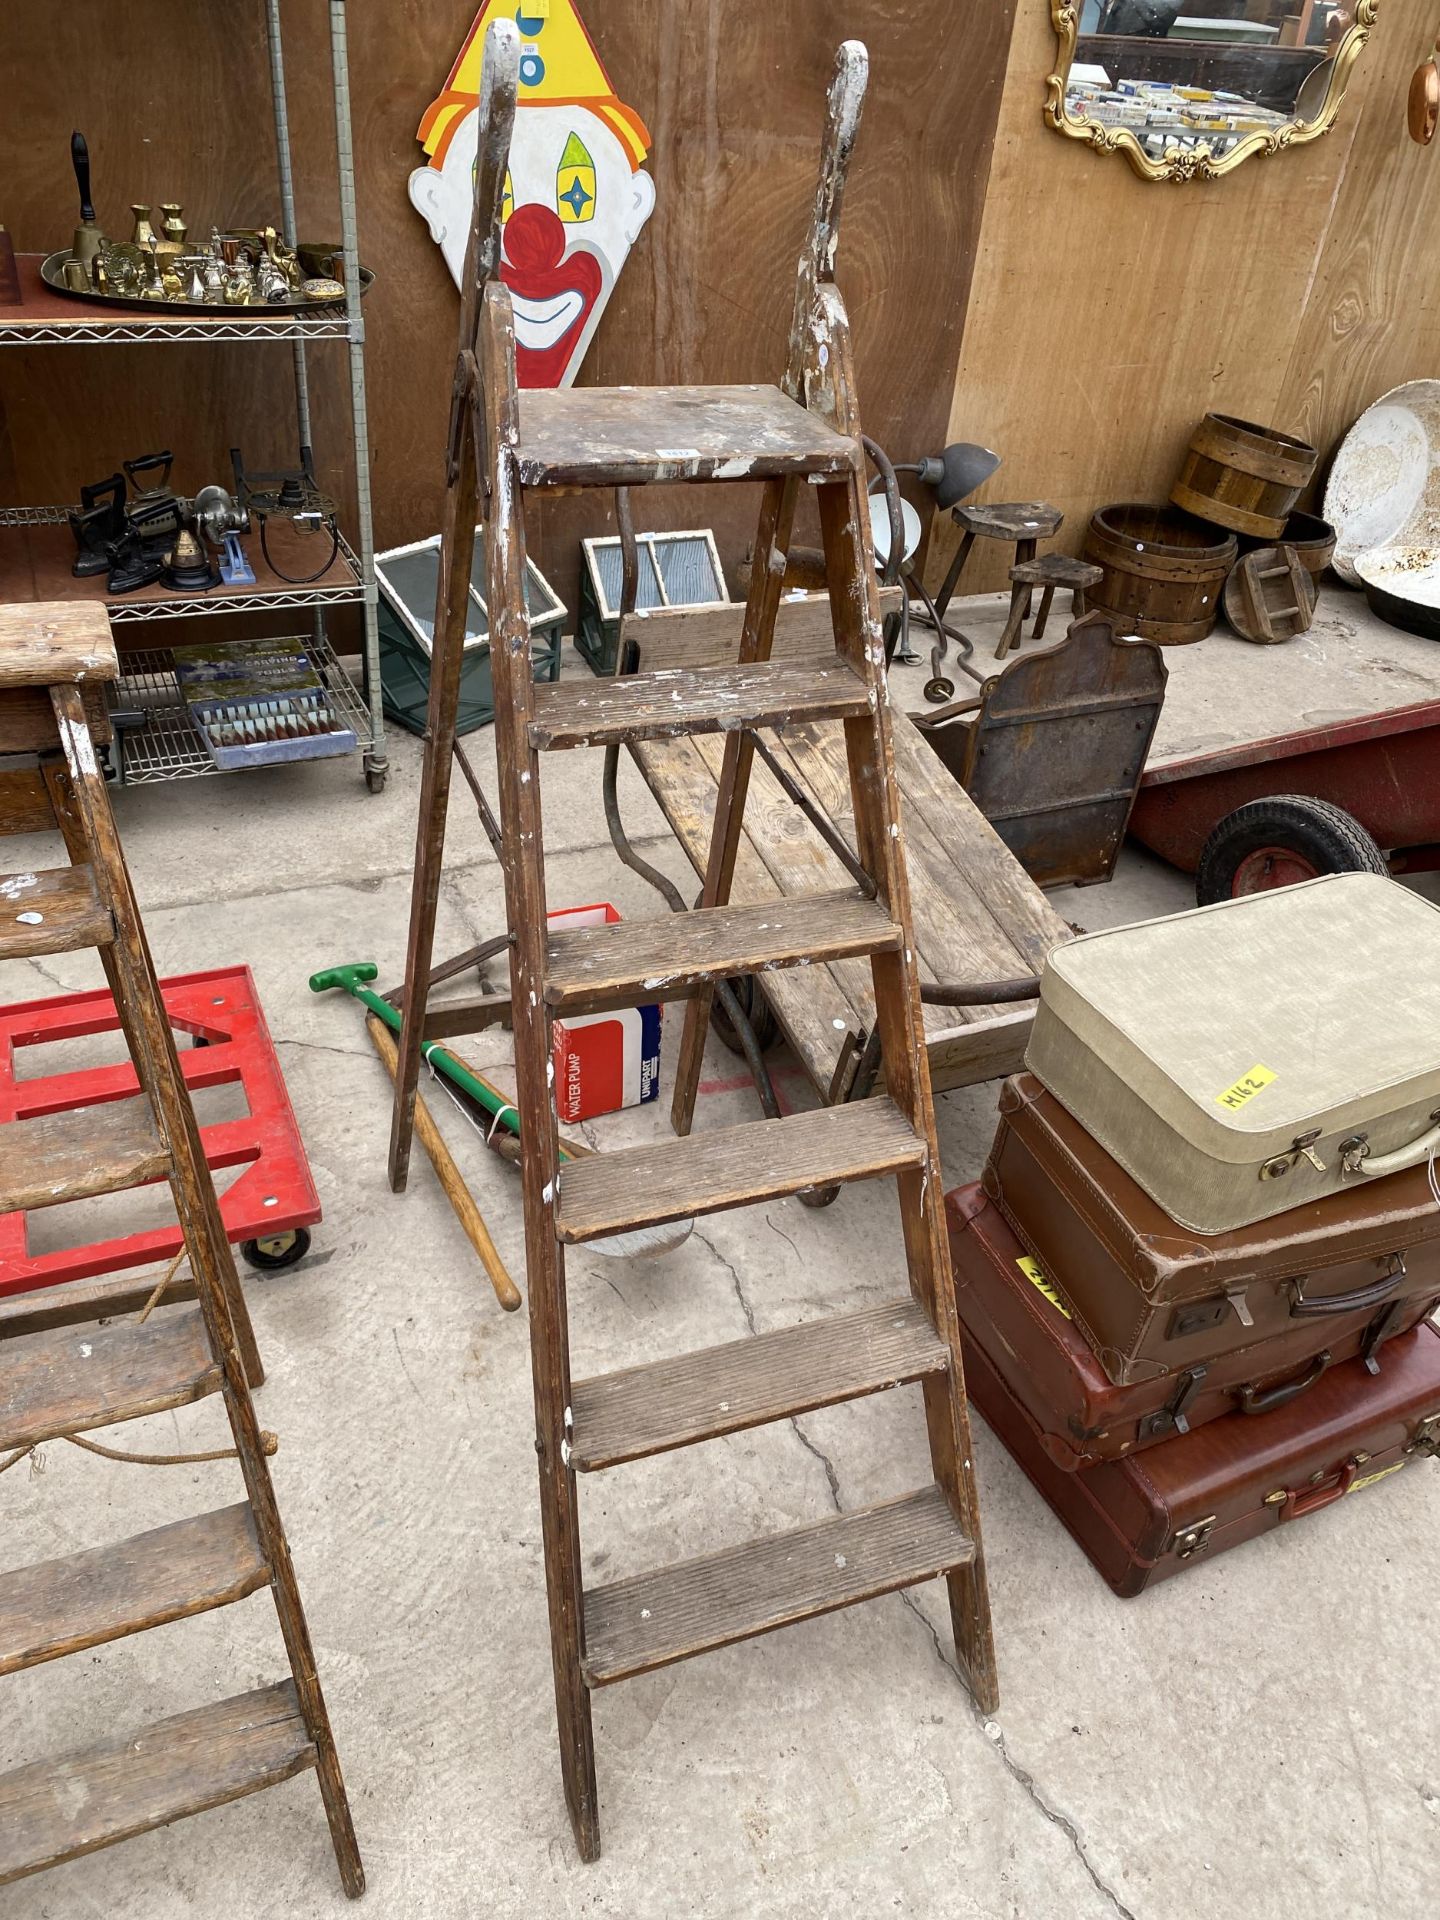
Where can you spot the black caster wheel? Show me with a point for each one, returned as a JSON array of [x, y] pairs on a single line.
[[1279, 842], [939, 690], [277, 1250], [756, 1009], [375, 778]]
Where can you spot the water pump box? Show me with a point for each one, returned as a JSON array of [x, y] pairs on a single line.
[[602, 1061]]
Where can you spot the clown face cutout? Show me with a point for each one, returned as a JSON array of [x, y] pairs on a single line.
[[576, 196]]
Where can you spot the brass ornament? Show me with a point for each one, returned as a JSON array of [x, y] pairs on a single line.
[[1198, 162]]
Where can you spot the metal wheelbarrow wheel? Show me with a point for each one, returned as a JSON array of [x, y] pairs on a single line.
[[1278, 842]]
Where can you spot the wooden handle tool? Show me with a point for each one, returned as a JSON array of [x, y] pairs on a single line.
[[450, 1177]]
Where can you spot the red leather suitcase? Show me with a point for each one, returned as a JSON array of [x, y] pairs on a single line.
[[1020, 1314], [1145, 1519], [1154, 1299]]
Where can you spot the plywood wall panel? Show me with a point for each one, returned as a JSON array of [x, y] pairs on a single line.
[[1108, 312]]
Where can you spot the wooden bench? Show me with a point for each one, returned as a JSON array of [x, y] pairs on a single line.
[[977, 914]]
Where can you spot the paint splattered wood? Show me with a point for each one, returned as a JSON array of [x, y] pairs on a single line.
[[43, 645], [52, 911], [71, 1156], [632, 436], [75, 1378], [595, 713]]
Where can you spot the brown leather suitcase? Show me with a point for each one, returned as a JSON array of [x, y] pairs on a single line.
[[1144, 1519], [1154, 1299], [1020, 1314]]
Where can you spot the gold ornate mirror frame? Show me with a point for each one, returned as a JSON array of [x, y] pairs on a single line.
[[1196, 162]]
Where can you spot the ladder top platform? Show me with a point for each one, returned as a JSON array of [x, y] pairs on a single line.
[[632, 436], [53, 641]]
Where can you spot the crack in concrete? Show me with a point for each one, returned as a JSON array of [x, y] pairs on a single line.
[[321, 1046], [1023, 1778]]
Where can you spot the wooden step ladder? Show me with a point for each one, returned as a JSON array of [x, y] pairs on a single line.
[[503, 445], [54, 663]]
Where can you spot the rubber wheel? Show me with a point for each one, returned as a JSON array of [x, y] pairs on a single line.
[[1280, 842], [375, 778], [756, 1009], [939, 690], [277, 1251]]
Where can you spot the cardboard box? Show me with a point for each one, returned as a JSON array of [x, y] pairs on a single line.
[[603, 1061]]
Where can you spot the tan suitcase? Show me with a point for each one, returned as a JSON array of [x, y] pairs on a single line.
[[1257, 1055]]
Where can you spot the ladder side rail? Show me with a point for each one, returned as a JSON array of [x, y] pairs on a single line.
[[499, 83], [137, 997], [899, 1016], [497, 427]]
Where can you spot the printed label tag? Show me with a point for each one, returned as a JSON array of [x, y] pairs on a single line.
[[1035, 1274], [1371, 1478], [1245, 1088]]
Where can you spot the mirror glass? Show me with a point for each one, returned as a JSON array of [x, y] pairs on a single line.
[[1191, 87]]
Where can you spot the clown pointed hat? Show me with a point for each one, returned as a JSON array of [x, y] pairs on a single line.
[[559, 67]]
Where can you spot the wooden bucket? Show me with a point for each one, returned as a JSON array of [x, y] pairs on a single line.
[[1312, 538], [1164, 571], [1244, 477]]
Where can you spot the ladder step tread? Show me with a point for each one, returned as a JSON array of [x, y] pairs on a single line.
[[627, 436], [73, 1155], [636, 1625], [593, 969], [733, 1167], [698, 1396], [56, 1810], [74, 1378], [83, 1599], [583, 712], [54, 911]]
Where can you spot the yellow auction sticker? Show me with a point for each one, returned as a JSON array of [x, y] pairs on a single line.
[[1035, 1274], [1245, 1088], [1371, 1478]]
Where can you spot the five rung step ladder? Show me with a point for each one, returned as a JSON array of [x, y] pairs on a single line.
[[505, 445]]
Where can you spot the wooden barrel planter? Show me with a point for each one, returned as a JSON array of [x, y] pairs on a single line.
[[1164, 571], [1312, 538], [1244, 477]]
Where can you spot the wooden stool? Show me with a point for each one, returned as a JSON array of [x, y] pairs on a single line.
[[1023, 522], [1050, 571]]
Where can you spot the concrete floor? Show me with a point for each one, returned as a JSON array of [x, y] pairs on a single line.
[[1255, 1738]]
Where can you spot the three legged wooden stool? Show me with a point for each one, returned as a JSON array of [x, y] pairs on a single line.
[[1024, 523], [1050, 571]]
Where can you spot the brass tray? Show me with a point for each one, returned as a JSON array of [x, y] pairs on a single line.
[[52, 272]]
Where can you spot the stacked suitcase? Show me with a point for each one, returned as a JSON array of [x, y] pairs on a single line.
[[1175, 1389]]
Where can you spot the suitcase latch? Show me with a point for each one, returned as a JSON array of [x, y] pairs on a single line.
[[1192, 1540], [1427, 1438], [1302, 1147], [1173, 1418]]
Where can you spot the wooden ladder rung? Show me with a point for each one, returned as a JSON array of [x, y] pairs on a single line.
[[653, 1619], [594, 969], [51, 912], [629, 436], [104, 1593], [582, 712], [699, 1396], [733, 1167], [75, 1378], [74, 1155], [56, 1810]]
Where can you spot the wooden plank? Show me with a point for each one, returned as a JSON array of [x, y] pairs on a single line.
[[596, 713], [812, 1009], [630, 436], [636, 1625], [698, 1396], [71, 1156], [64, 1605], [58, 1809], [710, 636], [51, 912], [990, 1050], [594, 969], [25, 802], [43, 644], [86, 1302], [27, 717], [733, 1167], [72, 1379]]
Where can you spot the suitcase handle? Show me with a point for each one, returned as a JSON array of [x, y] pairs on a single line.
[[1359, 1159], [1371, 1296], [1302, 1500], [1254, 1400]]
